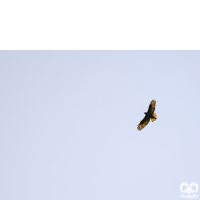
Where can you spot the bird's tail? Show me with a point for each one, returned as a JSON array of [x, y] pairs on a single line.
[[155, 117]]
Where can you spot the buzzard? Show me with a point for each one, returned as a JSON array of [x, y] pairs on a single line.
[[148, 115]]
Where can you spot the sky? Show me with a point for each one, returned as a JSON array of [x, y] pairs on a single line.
[[68, 124]]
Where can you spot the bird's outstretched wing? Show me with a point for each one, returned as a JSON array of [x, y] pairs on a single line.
[[143, 123], [152, 107]]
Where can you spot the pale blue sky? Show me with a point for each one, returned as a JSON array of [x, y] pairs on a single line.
[[68, 124]]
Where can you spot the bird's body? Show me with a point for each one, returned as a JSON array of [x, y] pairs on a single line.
[[148, 115]]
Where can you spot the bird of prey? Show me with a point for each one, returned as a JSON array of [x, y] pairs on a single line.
[[148, 115]]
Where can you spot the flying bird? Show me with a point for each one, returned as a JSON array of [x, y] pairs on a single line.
[[148, 115]]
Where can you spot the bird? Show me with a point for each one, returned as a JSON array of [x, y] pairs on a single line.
[[148, 115]]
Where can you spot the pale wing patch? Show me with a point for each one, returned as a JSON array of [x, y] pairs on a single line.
[[152, 107], [142, 125], [153, 103]]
